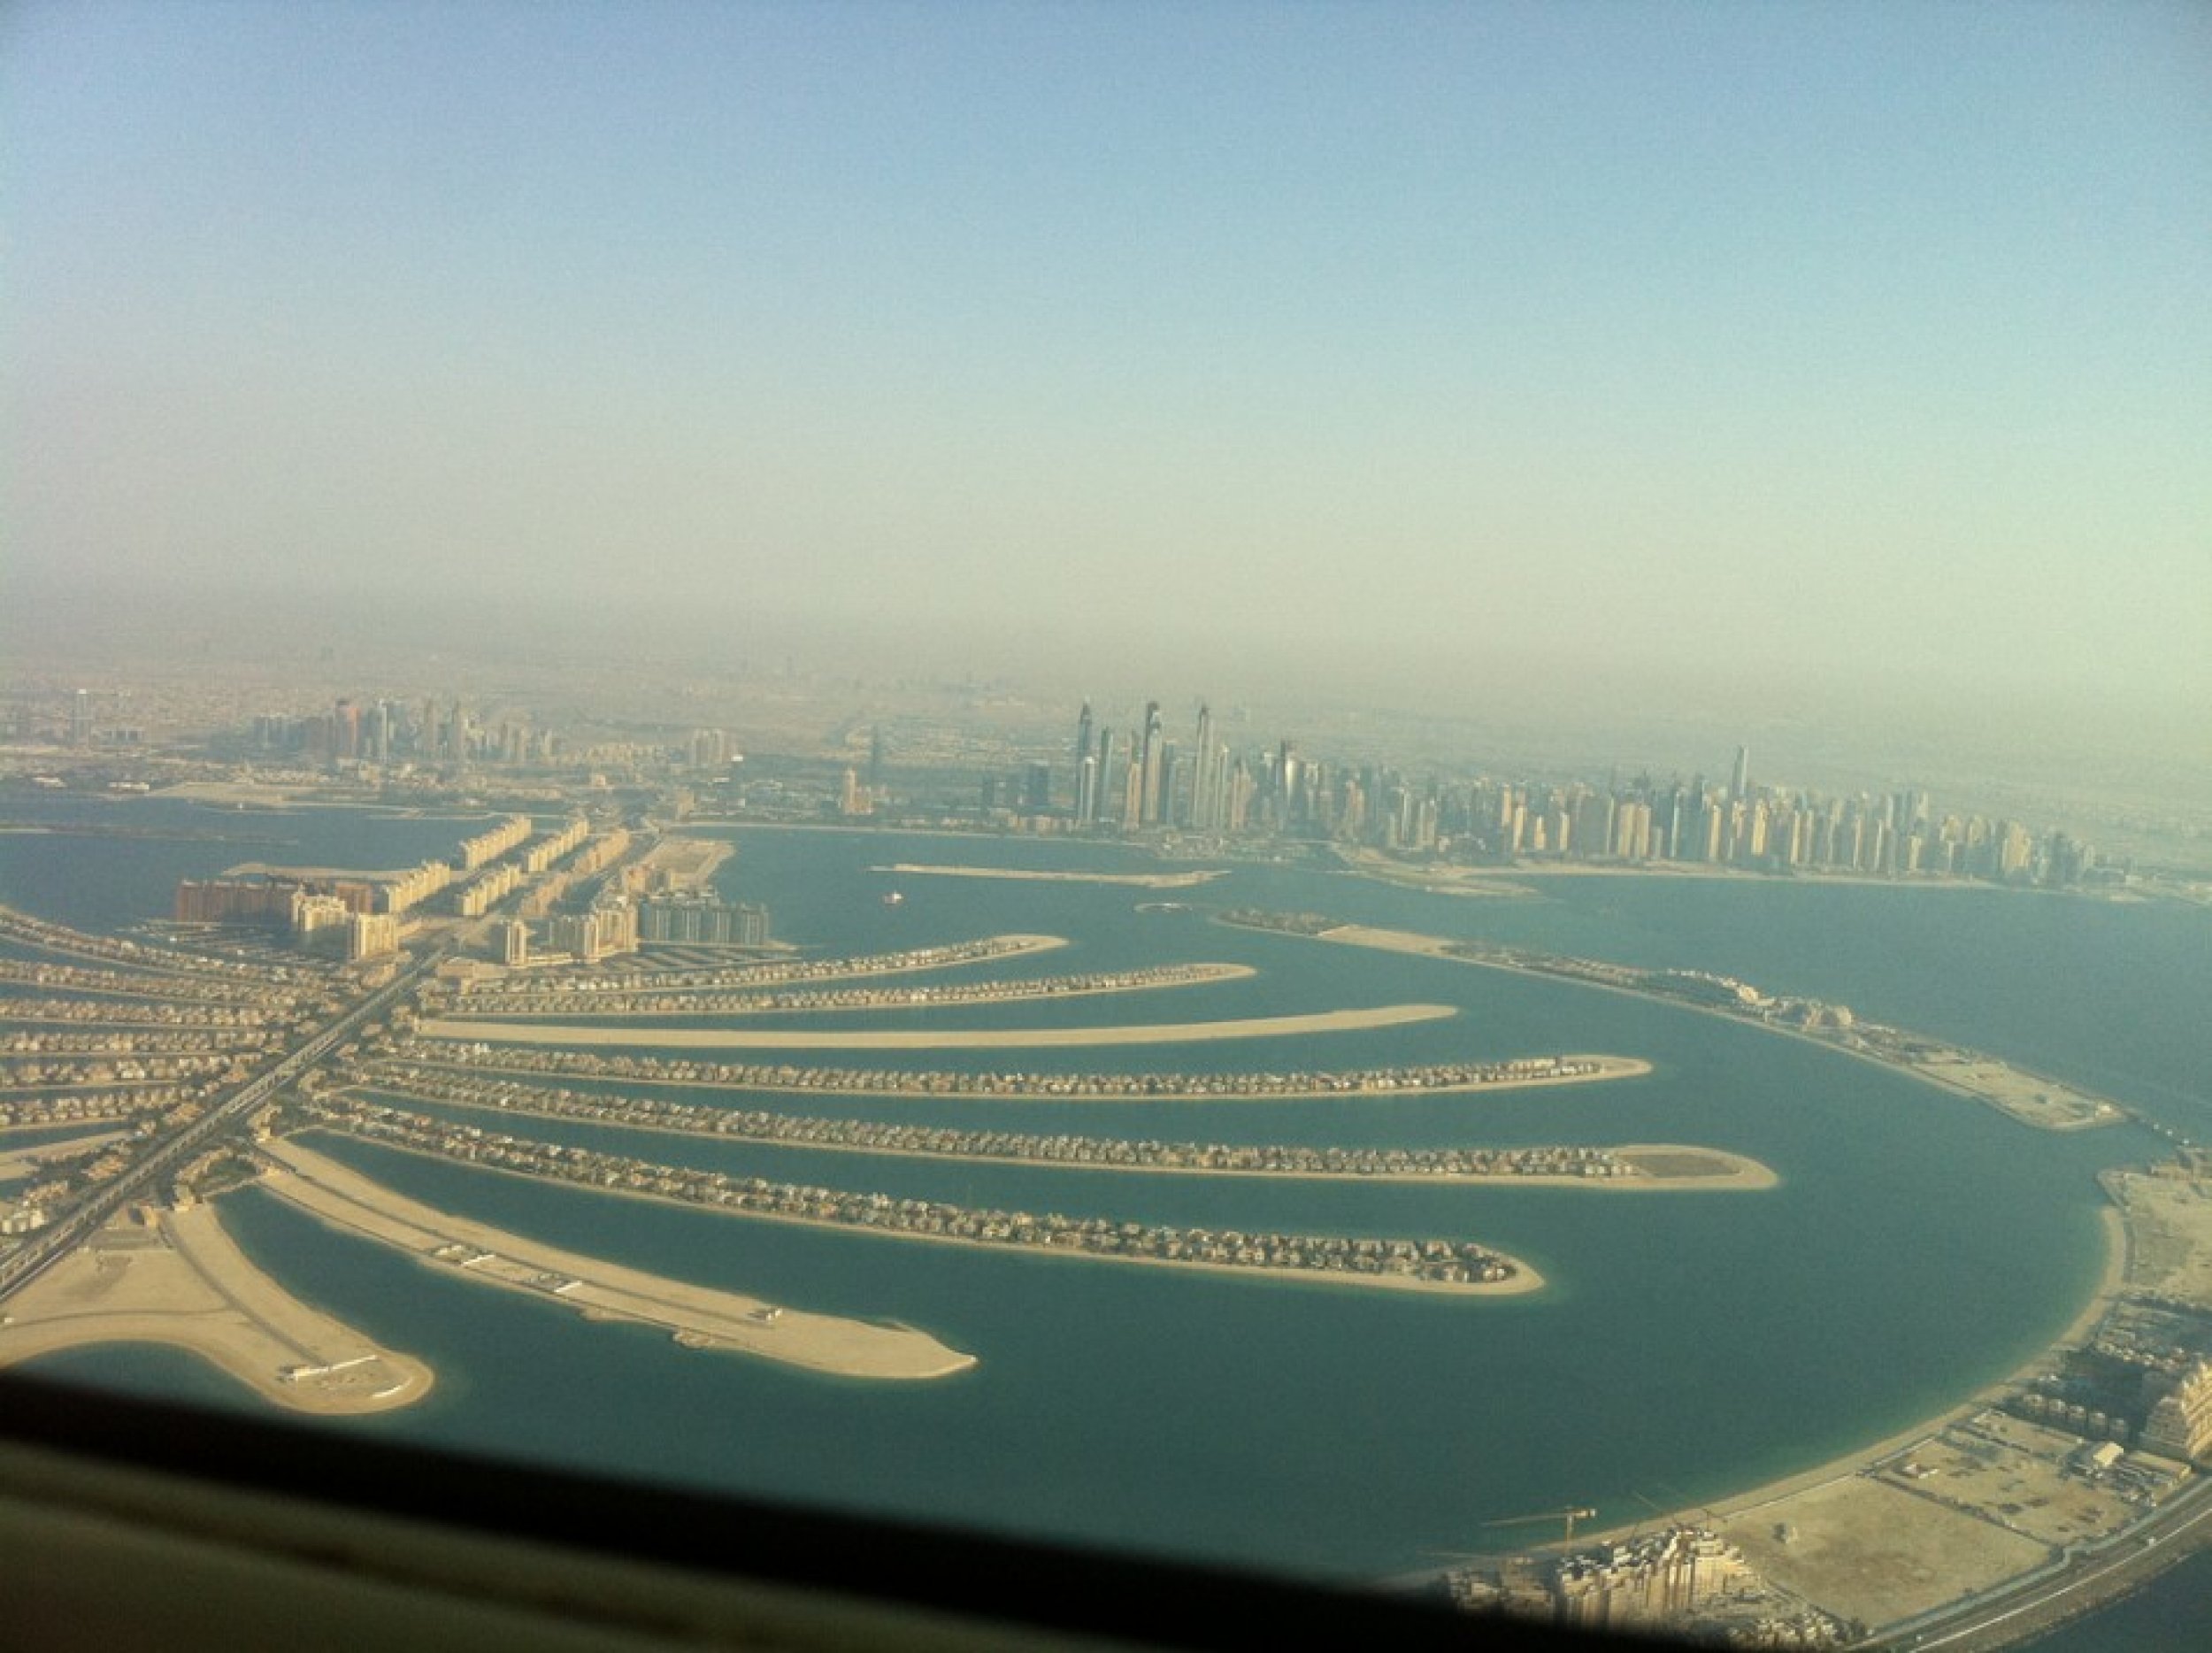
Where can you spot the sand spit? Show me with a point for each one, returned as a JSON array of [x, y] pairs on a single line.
[[1136, 880], [949, 1039], [180, 1280], [700, 1317]]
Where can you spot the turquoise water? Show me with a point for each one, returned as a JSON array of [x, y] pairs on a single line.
[[1919, 1246]]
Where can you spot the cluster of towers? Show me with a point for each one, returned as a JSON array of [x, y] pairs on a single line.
[[1140, 778], [384, 731]]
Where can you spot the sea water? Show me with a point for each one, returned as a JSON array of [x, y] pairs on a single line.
[[1689, 1343]]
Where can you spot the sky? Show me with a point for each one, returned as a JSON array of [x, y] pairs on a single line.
[[1601, 344]]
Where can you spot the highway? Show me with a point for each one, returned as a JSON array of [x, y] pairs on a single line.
[[53, 1243]]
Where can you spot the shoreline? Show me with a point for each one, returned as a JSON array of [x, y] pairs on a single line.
[[1843, 1467]]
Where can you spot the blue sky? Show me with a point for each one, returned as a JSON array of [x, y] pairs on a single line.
[[1819, 340]]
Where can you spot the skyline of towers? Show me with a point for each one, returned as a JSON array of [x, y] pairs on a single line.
[[1149, 782]]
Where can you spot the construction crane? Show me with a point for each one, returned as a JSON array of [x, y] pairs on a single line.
[[1570, 1516]]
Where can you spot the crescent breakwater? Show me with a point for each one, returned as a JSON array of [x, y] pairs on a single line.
[[1429, 1265], [1518, 1074], [2032, 1099], [1636, 1166]]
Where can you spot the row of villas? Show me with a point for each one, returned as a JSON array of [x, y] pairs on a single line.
[[86, 979], [1437, 1261], [650, 1000], [877, 1136], [121, 951], [769, 975], [936, 1081]]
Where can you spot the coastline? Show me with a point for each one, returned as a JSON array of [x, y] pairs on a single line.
[[1735, 1506]]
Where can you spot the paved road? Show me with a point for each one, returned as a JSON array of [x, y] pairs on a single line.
[[52, 1243]]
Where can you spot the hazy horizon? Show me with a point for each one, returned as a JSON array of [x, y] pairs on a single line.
[[1579, 340]]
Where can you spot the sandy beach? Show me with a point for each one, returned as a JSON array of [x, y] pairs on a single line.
[[183, 1282], [699, 1317], [951, 1039], [1768, 1499]]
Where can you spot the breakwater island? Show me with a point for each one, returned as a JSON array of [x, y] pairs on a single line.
[[1430, 1265], [943, 1039], [1515, 1074], [2031, 1098], [1628, 1166]]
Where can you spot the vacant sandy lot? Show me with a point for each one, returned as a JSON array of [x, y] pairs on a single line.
[[183, 1282]]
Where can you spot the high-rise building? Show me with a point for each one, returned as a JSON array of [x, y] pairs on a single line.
[[1149, 761], [1740, 778], [1202, 805], [80, 719], [1086, 788]]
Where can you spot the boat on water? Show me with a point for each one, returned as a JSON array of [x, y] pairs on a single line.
[[895, 898]]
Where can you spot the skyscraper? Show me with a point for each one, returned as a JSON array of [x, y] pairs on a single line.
[[1149, 765], [1203, 773], [1740, 781]]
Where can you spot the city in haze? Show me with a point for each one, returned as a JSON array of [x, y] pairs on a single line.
[[1443, 675]]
